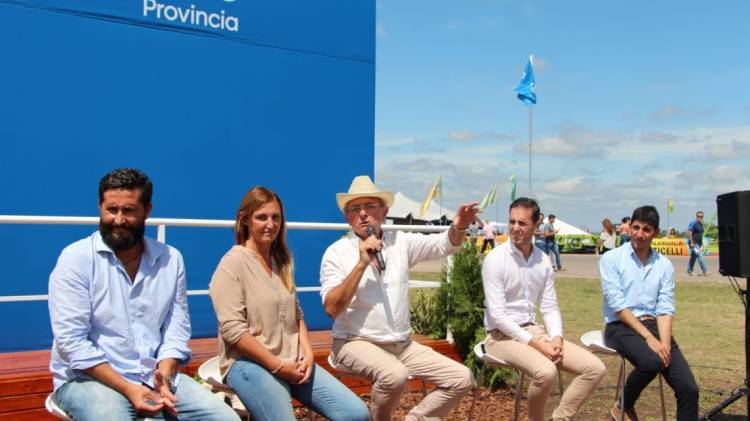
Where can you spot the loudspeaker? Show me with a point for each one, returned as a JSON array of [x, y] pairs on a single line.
[[734, 233]]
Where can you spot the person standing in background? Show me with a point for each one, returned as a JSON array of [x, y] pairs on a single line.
[[539, 235], [549, 238], [625, 230], [608, 238], [695, 244], [489, 235]]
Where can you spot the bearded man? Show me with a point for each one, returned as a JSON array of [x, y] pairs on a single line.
[[119, 313]]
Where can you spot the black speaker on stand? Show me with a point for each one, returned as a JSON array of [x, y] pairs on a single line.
[[734, 262]]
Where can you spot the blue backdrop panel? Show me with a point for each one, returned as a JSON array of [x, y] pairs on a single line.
[[285, 101]]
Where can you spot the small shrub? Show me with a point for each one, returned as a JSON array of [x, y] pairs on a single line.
[[464, 299], [424, 313]]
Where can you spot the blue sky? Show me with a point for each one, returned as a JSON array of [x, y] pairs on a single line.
[[637, 102]]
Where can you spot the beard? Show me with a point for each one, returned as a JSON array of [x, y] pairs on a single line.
[[122, 242]]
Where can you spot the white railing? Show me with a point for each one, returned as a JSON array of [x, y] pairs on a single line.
[[163, 223]]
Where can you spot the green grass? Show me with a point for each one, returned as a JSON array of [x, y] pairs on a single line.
[[709, 328]]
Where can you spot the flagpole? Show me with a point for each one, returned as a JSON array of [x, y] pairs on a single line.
[[497, 210], [530, 193], [669, 215], [440, 203]]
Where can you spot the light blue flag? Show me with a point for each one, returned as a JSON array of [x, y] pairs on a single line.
[[526, 91]]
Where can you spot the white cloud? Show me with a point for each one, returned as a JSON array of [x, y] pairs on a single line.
[[582, 174], [728, 150], [472, 136], [675, 111], [463, 135], [565, 185], [554, 146]]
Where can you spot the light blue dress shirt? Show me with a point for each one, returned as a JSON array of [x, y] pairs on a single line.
[[98, 315], [627, 283]]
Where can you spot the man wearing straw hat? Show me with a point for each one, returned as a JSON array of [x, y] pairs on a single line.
[[368, 297]]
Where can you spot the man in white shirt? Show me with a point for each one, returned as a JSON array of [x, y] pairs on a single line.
[[370, 304], [517, 277]]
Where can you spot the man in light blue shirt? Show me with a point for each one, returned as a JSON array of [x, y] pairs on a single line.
[[638, 289], [118, 307]]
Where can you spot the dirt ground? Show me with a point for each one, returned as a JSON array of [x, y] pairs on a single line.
[[495, 406]]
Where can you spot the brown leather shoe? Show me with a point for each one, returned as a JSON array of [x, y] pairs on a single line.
[[630, 414]]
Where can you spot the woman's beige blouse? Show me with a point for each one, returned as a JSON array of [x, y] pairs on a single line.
[[246, 299]]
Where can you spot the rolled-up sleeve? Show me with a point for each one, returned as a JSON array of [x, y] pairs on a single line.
[[494, 296], [229, 305], [176, 329], [665, 299], [70, 312], [612, 288], [549, 307], [332, 272]]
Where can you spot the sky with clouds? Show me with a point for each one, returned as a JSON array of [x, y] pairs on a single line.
[[638, 102]]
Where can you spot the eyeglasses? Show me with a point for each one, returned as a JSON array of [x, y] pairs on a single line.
[[699, 216], [369, 207]]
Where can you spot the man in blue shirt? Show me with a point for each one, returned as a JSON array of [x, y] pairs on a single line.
[[695, 244], [638, 289], [118, 307]]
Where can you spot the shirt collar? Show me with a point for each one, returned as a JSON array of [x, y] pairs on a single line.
[[651, 257], [152, 249], [356, 240], [516, 251]]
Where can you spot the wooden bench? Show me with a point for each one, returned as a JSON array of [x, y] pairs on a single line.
[[25, 380]]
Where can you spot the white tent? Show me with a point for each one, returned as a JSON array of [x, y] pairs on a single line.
[[565, 228], [403, 206]]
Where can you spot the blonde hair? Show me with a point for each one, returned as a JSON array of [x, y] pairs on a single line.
[[254, 199], [607, 224]]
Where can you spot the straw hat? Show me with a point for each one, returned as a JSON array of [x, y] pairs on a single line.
[[362, 186]]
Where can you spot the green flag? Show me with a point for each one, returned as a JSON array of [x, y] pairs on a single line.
[[512, 187], [489, 198]]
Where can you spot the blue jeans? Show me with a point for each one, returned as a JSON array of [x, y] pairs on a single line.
[[268, 397], [541, 245], [86, 398], [552, 246], [701, 261], [624, 238]]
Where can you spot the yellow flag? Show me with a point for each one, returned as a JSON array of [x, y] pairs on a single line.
[[434, 192], [670, 206]]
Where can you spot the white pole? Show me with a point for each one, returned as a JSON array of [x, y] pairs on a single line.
[[530, 192], [161, 233]]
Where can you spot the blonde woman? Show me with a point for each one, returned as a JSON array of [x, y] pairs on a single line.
[[266, 356], [608, 238]]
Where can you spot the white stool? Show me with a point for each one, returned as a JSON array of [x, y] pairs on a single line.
[[594, 342], [488, 359], [210, 373], [345, 372], [53, 408]]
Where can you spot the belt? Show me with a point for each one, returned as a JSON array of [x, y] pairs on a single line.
[[527, 324], [646, 317]]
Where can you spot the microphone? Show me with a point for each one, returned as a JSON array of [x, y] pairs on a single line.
[[378, 254]]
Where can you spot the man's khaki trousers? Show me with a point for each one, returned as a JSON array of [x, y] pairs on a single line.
[[588, 369], [388, 366]]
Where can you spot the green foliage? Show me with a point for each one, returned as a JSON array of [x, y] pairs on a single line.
[[426, 314], [464, 299]]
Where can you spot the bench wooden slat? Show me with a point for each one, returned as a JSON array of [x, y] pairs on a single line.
[[25, 379]]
